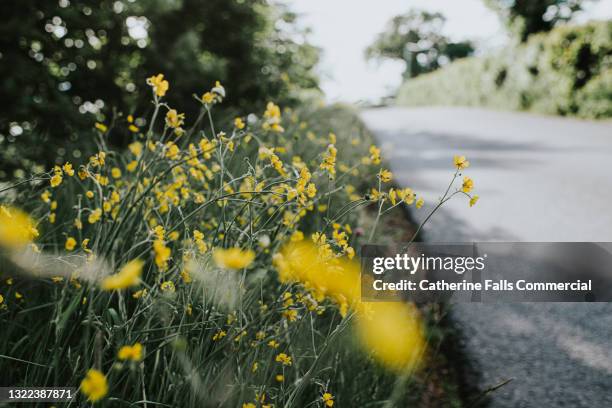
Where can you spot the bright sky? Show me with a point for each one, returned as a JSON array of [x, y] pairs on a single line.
[[344, 28]]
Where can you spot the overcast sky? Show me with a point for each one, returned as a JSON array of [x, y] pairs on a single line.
[[344, 28]]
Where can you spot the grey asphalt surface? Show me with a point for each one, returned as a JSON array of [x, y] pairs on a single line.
[[540, 179]]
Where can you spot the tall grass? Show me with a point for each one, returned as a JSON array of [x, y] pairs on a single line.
[[205, 211]]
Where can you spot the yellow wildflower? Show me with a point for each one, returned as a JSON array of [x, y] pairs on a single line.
[[461, 162], [329, 160], [94, 385], [239, 123], [219, 335], [468, 184], [174, 119], [419, 203], [167, 286], [101, 127], [375, 154], [328, 399], [133, 353], [385, 175], [474, 200], [94, 216], [284, 359], [162, 254], [70, 244], [67, 167], [56, 180], [159, 84], [17, 229], [129, 275], [116, 172], [46, 196], [233, 258]]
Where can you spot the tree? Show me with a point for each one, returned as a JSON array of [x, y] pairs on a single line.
[[526, 17], [66, 64], [416, 38]]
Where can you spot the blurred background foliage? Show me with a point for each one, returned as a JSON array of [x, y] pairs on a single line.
[[67, 64], [567, 71], [416, 39], [526, 17]]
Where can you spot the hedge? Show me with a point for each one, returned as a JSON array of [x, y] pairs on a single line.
[[567, 71]]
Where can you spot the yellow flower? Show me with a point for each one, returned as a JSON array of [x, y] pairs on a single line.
[[284, 359], [89, 194], [46, 196], [56, 180], [468, 184], [133, 353], [135, 148], [208, 98], [233, 258], [94, 216], [419, 203], [329, 160], [128, 276], [70, 244], [139, 293], [94, 385], [162, 254], [101, 127], [385, 175], [167, 286], [17, 229], [328, 399], [239, 123], [159, 84], [249, 405], [219, 335], [116, 172], [375, 154], [474, 200], [461, 162], [174, 119], [133, 128], [392, 332], [67, 167], [279, 378], [272, 117]]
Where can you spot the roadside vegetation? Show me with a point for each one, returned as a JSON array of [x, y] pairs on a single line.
[[212, 264], [564, 72]]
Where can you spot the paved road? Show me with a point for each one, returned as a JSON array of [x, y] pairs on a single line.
[[540, 179]]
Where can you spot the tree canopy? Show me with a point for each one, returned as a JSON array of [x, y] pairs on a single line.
[[415, 37], [66, 64], [526, 17]]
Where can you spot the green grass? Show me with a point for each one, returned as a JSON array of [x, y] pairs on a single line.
[[58, 323]]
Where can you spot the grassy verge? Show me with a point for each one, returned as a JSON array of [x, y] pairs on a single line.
[[210, 265], [565, 72]]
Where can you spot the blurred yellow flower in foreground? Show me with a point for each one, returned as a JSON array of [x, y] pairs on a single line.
[[94, 385], [133, 353], [17, 229], [392, 332], [128, 276], [233, 258]]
